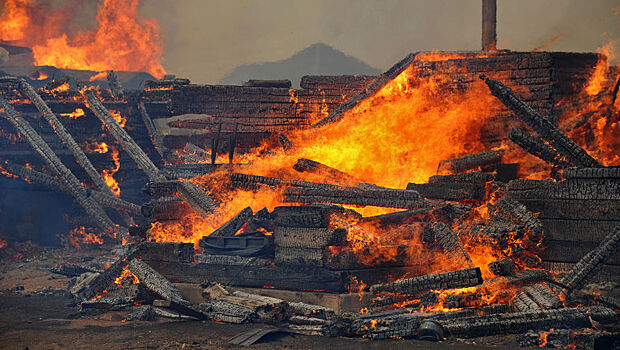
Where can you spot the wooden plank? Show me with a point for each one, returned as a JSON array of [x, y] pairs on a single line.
[[573, 208]]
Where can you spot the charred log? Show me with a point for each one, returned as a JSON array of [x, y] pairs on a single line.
[[541, 125], [471, 161], [284, 142], [233, 225], [165, 208], [450, 245], [475, 177], [537, 147], [391, 198], [161, 188], [450, 191], [156, 137], [311, 166], [446, 280], [254, 182]]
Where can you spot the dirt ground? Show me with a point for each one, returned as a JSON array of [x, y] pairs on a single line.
[[36, 313]]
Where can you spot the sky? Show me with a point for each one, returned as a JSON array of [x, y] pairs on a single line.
[[206, 39]]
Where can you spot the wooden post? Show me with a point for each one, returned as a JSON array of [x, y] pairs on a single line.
[[214, 143], [233, 143], [489, 21]]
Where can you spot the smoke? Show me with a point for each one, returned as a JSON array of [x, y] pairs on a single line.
[[205, 40]]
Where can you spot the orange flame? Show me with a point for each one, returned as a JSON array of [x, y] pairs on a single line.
[[79, 112], [78, 238], [99, 76], [126, 274], [599, 77], [122, 40], [118, 117], [108, 173]]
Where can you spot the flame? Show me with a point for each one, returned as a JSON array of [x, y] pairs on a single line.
[[78, 238], [126, 274], [122, 40], [61, 88], [38, 75], [79, 112], [99, 147], [118, 117], [3, 243], [108, 173], [99, 76]]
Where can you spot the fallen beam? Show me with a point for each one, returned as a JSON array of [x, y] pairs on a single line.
[[233, 225], [471, 161], [450, 245], [537, 147], [564, 145], [339, 177], [254, 182], [446, 280], [368, 91], [390, 198]]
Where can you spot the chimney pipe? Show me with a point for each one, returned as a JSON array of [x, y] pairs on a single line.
[[489, 20]]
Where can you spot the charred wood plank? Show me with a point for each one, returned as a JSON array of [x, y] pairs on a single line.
[[369, 90], [302, 237], [450, 191], [340, 177], [541, 125], [592, 173], [308, 216], [447, 213], [161, 188], [475, 177], [471, 161], [187, 171], [73, 185], [391, 198], [591, 262], [283, 83], [227, 312], [254, 182], [537, 147], [284, 142], [233, 225], [156, 137], [503, 267], [165, 208], [513, 211], [454, 279], [196, 198], [450, 245]]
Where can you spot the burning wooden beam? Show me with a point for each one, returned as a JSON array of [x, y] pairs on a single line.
[[541, 125], [233, 225], [165, 208], [475, 177], [254, 182], [535, 146], [451, 191], [447, 280], [385, 197], [340, 177], [471, 161], [73, 185], [369, 90], [195, 197], [450, 245]]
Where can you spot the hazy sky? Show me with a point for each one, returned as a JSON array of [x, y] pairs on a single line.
[[206, 39]]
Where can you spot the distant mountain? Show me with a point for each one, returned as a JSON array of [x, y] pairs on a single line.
[[317, 59]]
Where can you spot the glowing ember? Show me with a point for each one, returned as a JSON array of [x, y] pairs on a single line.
[[3, 243], [126, 275], [78, 238], [121, 40], [79, 112], [118, 117]]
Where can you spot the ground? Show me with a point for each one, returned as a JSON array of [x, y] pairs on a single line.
[[36, 313]]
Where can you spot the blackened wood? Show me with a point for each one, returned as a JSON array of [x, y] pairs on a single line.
[[227, 312], [450, 245], [447, 280], [369, 90], [449, 212], [232, 144], [340, 177], [304, 237], [156, 137], [573, 209], [115, 85], [196, 198], [391, 198], [165, 208], [592, 173], [187, 171], [515, 212], [592, 261], [168, 251], [214, 143], [252, 272], [73, 185], [254, 182], [489, 35], [564, 145], [503, 267], [450, 191], [472, 177], [233, 225], [309, 216], [284, 141], [161, 188], [283, 84], [471, 161], [537, 147]]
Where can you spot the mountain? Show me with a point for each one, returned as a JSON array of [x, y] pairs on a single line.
[[317, 59]]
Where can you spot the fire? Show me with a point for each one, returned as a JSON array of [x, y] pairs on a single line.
[[126, 274], [38, 75], [99, 76], [79, 112], [3, 243], [99, 147], [108, 173], [61, 88], [118, 117], [598, 79], [121, 40], [78, 238]]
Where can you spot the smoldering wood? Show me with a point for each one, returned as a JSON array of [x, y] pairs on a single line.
[[156, 137], [167, 251], [128, 144], [537, 147], [471, 161], [369, 90], [115, 85], [454, 279], [449, 212], [543, 296], [73, 185], [513, 211], [450, 191], [303, 237], [564, 145], [284, 142], [502, 267], [198, 151], [391, 198], [305, 309], [591, 262], [309, 216], [227, 312], [196, 198], [159, 285], [450, 245], [340, 177], [161, 188], [254, 182], [476, 177], [233, 225], [108, 303], [252, 272], [592, 173], [165, 208], [283, 83]]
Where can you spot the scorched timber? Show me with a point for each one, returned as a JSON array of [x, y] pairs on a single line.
[[537, 147], [451, 191], [157, 137], [447, 280], [254, 182], [311, 166], [450, 244], [541, 125], [195, 197], [73, 185], [474, 177], [233, 225], [471, 161], [252, 272], [165, 208], [369, 90], [390, 198]]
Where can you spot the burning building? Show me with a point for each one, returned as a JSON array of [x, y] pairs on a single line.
[[458, 194]]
